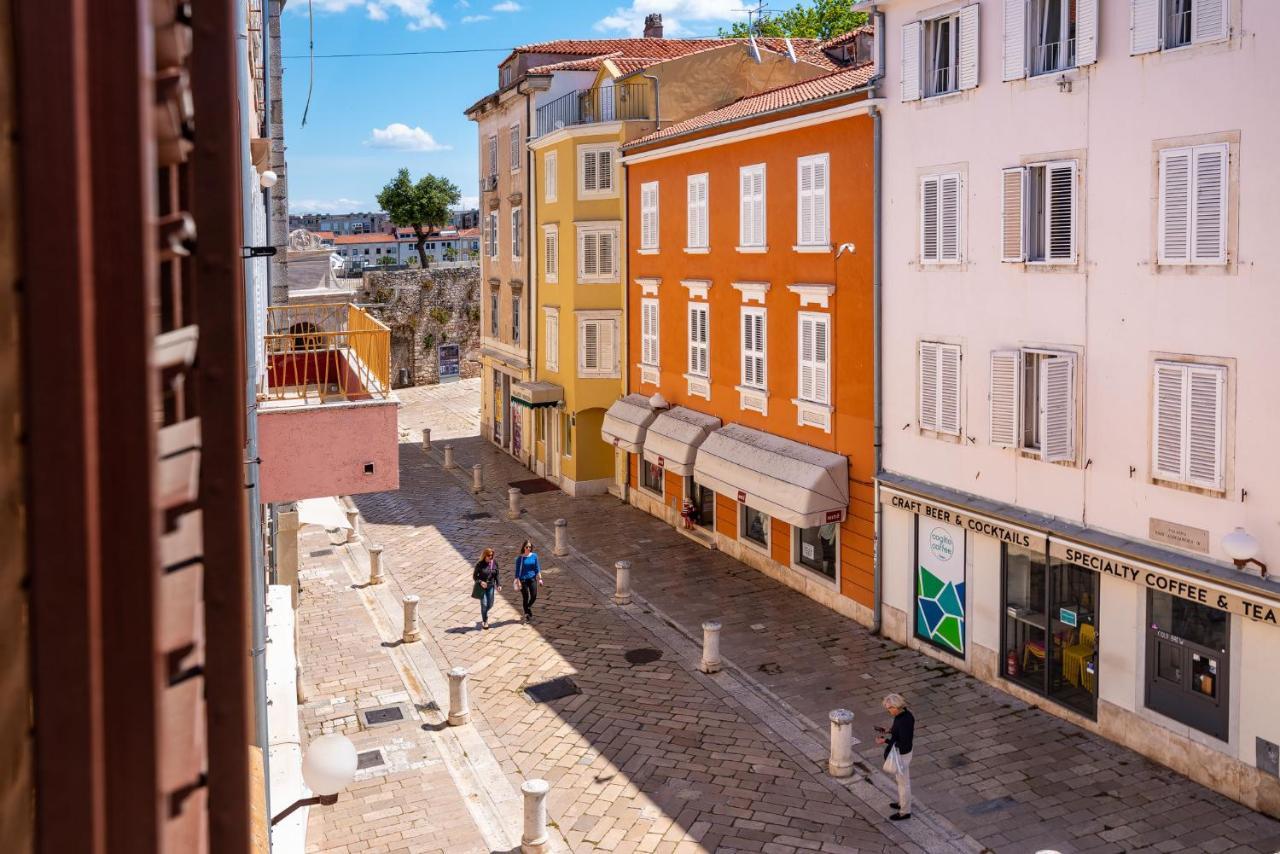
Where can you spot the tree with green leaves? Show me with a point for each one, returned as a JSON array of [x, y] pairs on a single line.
[[421, 206], [820, 19]]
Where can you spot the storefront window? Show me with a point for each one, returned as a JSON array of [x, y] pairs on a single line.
[[651, 476], [1187, 646], [755, 526], [1026, 656], [703, 503], [816, 548]]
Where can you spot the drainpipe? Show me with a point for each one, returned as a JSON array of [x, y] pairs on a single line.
[[877, 301]]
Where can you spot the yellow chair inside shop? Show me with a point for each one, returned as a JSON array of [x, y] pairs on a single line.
[[1075, 656]]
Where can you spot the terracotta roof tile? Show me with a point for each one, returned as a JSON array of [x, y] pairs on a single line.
[[375, 237], [836, 41], [590, 63]]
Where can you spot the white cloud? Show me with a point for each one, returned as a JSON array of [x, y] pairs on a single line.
[[325, 205], [417, 12], [507, 6], [401, 137], [467, 202], [679, 17], [472, 19]]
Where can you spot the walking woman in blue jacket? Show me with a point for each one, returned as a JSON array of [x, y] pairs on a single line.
[[528, 577]]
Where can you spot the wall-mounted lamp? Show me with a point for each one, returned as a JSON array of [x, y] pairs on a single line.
[[658, 401], [1242, 548], [268, 179], [328, 767]]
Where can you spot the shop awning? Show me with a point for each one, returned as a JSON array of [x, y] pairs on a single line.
[[536, 394], [626, 422], [798, 484], [328, 513], [675, 436]]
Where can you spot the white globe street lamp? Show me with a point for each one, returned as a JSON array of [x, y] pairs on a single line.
[[328, 767], [1242, 548]]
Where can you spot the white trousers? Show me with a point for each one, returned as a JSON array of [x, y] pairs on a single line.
[[904, 784]]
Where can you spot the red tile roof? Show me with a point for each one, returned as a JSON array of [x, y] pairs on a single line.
[[836, 41], [591, 63], [375, 237], [653, 51], [446, 234], [324, 235]]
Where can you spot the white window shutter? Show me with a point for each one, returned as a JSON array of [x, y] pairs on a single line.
[[821, 363], [605, 247], [745, 208], [758, 219], [704, 338], [589, 347], [605, 355], [552, 176], [949, 389], [929, 218], [748, 349], [805, 212], [589, 170], [968, 47], [1174, 216], [1057, 409], [820, 225], [1144, 26], [928, 385], [949, 218], [807, 346], [1168, 440], [1015, 39], [1012, 243], [1206, 387], [589, 255], [1062, 211], [604, 169], [1209, 205], [1208, 20], [1086, 32], [911, 48], [694, 358], [646, 319], [1006, 397]]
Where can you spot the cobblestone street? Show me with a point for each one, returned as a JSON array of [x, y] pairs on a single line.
[[653, 755]]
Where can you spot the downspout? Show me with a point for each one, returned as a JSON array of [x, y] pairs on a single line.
[[877, 312]]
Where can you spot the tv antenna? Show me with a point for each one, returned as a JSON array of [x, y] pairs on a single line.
[[755, 17]]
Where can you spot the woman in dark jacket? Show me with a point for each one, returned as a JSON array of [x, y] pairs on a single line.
[[897, 741], [487, 577]]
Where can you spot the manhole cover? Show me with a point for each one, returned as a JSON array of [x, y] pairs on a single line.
[[369, 759], [382, 715], [473, 516], [644, 655], [771, 668], [320, 553], [553, 689]]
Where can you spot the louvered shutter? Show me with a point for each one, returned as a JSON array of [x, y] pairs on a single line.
[[604, 170], [1012, 243], [911, 49], [949, 389], [929, 219], [928, 385], [551, 252], [493, 155], [1015, 39], [605, 247], [805, 211], [606, 356], [704, 341], [515, 233], [821, 365], [1086, 32], [1167, 442], [695, 360], [589, 255], [748, 350], [697, 211], [1175, 206], [1209, 209], [758, 219], [1057, 409], [649, 215], [820, 236], [552, 176], [589, 347], [808, 381], [515, 147], [1006, 397], [1208, 20], [1061, 180], [949, 218], [590, 173], [1206, 386], [745, 208], [968, 47], [1144, 26]]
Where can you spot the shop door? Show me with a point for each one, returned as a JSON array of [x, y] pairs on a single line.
[[498, 438], [517, 423], [1187, 663]]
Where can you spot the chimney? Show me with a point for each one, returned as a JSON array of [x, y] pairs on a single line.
[[653, 26]]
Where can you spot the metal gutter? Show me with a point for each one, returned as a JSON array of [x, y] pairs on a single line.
[[877, 313]]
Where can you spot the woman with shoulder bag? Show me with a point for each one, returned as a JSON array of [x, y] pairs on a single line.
[[897, 752], [528, 577], [487, 583]]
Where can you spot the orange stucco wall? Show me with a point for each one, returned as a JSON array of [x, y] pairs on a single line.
[[848, 142]]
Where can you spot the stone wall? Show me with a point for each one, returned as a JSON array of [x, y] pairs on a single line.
[[426, 308]]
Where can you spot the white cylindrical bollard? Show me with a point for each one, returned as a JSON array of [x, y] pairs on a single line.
[[841, 763], [353, 519], [426, 440], [513, 503], [710, 647], [448, 457], [622, 594], [475, 478], [534, 840], [375, 565], [459, 704], [562, 538], [411, 633]]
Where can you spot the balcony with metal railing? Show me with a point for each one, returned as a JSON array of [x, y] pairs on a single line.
[[618, 103], [325, 352], [1053, 56]]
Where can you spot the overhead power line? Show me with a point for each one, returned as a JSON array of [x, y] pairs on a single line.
[[397, 53]]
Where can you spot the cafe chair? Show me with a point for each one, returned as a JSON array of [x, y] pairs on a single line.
[[1075, 656]]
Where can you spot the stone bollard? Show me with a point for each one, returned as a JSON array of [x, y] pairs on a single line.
[[841, 763], [622, 594], [459, 705], [375, 565], [475, 479], [710, 647], [448, 457], [513, 503], [562, 538], [426, 440], [411, 632], [535, 840], [353, 519]]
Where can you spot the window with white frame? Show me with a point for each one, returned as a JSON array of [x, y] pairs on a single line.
[[515, 319], [1033, 402], [1193, 205], [818, 548], [753, 525], [551, 252], [813, 209], [941, 215], [699, 340], [1189, 424], [751, 206], [649, 215], [597, 346], [1048, 36], [1038, 213], [696, 217], [493, 314], [516, 232], [649, 352], [550, 176], [493, 155], [492, 233], [1172, 24], [595, 170], [940, 55], [939, 387], [514, 147], [754, 367], [552, 345], [814, 358], [651, 476], [598, 252]]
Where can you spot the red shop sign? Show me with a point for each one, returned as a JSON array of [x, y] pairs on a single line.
[[742, 497], [835, 515]]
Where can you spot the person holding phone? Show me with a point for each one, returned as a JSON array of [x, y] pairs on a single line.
[[897, 752], [528, 577], [486, 583]]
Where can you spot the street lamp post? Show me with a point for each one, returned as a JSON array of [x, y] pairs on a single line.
[[328, 767]]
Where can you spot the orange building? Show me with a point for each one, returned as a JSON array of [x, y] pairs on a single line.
[[750, 309]]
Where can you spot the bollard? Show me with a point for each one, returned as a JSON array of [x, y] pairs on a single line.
[[353, 519], [375, 565], [534, 840], [459, 706], [475, 479], [513, 503], [426, 440], [841, 763], [562, 538], [710, 647], [622, 595], [411, 633], [448, 457]]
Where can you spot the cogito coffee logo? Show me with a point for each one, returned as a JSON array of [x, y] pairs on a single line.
[[941, 544]]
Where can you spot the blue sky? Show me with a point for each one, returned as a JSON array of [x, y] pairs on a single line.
[[371, 115]]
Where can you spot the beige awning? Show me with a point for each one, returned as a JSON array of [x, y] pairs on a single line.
[[626, 422], [798, 484], [674, 437], [327, 512], [536, 394]]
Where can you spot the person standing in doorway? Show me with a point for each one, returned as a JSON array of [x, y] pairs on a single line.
[[528, 577], [897, 752], [487, 583]]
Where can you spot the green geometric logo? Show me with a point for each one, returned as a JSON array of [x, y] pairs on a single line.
[[940, 611]]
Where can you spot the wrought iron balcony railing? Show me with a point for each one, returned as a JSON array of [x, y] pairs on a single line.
[[619, 103], [324, 353]]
